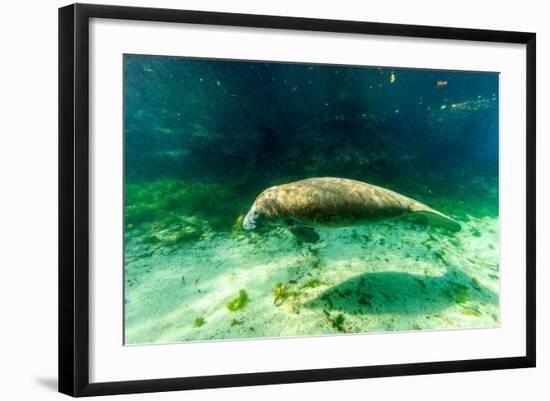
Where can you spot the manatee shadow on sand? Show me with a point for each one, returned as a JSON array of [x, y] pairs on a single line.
[[403, 293]]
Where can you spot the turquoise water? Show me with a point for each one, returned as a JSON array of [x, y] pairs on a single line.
[[203, 138]]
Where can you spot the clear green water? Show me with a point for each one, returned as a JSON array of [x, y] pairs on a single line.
[[203, 138]]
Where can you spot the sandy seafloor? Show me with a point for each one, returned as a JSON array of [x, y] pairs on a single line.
[[392, 276]]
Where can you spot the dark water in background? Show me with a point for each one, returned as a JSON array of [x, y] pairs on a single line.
[[248, 125]]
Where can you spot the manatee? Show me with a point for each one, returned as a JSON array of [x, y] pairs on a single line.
[[303, 205]]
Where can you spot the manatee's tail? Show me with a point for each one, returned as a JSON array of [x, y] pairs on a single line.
[[435, 217]]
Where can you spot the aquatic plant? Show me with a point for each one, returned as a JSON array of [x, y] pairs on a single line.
[[475, 284], [281, 293], [313, 283], [338, 322], [236, 322], [198, 322], [471, 310], [138, 213], [237, 226], [440, 255], [475, 232], [166, 200], [239, 302], [459, 293]]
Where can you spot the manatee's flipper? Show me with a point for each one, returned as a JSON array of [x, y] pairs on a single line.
[[303, 233], [437, 218]]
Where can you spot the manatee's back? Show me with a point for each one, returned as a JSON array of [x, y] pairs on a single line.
[[334, 201]]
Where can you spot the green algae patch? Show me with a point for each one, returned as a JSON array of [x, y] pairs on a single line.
[[338, 322], [313, 283], [476, 233], [236, 229], [475, 284], [471, 311], [165, 199], [281, 293], [239, 302], [459, 293], [135, 214], [198, 322]]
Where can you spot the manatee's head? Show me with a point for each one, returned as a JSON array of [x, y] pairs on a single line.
[[261, 212], [254, 219]]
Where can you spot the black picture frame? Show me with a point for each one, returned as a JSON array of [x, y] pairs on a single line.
[[74, 198]]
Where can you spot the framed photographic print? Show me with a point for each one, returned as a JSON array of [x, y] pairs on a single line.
[[249, 199]]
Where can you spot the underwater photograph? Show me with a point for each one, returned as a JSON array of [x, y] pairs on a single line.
[[276, 199]]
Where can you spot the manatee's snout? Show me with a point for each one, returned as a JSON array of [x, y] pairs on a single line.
[[252, 220], [248, 223]]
